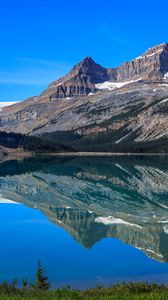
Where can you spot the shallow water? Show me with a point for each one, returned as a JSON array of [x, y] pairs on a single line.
[[88, 220]]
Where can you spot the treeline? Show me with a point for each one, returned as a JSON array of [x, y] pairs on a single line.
[[106, 142], [30, 143], [53, 143], [30, 164], [157, 146]]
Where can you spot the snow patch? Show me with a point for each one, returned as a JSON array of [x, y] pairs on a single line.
[[165, 228], [5, 104], [6, 201], [149, 250], [125, 136], [166, 76], [166, 221], [60, 222], [164, 85], [139, 57], [120, 167], [108, 85], [112, 220], [163, 205], [149, 55]]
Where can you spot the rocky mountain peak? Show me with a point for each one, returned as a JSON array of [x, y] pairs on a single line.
[[79, 81], [151, 65], [88, 67], [156, 49], [83, 77], [87, 60]]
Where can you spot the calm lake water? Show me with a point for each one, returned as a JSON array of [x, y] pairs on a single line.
[[88, 220]]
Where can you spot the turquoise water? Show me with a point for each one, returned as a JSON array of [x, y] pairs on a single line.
[[88, 220]]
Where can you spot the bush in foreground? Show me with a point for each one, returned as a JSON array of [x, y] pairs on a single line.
[[132, 291], [40, 291]]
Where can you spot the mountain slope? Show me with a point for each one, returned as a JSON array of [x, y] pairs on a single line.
[[153, 65], [82, 79], [99, 122], [79, 81], [91, 109]]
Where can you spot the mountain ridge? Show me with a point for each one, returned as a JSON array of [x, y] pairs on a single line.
[[85, 112], [83, 76], [113, 74]]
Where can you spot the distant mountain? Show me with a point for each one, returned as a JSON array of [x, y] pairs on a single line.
[[7, 103], [152, 65], [82, 79], [93, 108], [79, 81]]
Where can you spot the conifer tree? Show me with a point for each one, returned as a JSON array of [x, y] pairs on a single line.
[[41, 280]]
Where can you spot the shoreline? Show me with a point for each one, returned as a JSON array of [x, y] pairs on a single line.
[[20, 155], [98, 154], [13, 154]]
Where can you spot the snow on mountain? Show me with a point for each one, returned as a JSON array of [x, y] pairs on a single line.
[[5, 104], [108, 85]]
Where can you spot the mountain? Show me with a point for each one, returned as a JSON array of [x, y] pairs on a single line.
[[79, 81], [82, 79], [92, 199], [153, 65], [93, 108]]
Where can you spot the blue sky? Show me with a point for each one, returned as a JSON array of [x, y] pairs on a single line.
[[42, 39]]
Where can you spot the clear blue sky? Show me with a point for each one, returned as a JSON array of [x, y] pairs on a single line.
[[42, 39]]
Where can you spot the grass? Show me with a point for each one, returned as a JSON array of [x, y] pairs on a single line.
[[129, 291]]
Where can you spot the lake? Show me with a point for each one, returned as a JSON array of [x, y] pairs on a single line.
[[88, 220]]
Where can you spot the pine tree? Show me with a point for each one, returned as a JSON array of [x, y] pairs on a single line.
[[24, 283], [41, 280]]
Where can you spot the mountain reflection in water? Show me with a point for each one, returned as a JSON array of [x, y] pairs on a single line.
[[95, 198]]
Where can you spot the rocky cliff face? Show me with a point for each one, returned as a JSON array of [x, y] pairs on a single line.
[[86, 112], [152, 65], [118, 120], [79, 81], [82, 79]]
